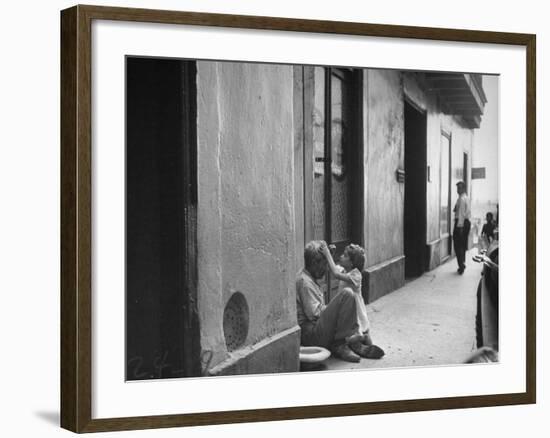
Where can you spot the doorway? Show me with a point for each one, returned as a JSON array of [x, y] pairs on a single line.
[[415, 191], [333, 157], [161, 323], [445, 198], [465, 172]]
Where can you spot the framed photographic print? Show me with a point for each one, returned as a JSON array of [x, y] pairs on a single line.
[[268, 218]]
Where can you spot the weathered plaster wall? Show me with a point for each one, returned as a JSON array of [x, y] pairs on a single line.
[[383, 154], [245, 230]]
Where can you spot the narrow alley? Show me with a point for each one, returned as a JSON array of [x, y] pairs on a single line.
[[429, 321]]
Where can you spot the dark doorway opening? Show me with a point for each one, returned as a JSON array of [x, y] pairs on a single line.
[[415, 191], [445, 198], [161, 323], [465, 172]]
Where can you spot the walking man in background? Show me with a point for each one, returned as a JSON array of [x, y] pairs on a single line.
[[462, 225]]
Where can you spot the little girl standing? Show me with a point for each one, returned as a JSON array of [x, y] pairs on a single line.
[[348, 272]]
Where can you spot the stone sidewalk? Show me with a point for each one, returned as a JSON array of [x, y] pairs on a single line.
[[429, 321]]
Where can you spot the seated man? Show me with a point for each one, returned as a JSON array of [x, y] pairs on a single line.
[[334, 326]]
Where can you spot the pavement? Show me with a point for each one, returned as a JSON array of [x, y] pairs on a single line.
[[429, 321]]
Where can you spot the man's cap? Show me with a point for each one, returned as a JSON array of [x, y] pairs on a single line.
[[461, 182]]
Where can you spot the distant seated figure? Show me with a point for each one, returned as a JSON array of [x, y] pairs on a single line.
[[488, 230], [334, 326]]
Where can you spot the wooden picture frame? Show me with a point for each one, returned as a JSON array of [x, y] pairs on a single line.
[[76, 218]]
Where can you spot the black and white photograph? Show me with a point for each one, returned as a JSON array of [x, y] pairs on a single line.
[[274, 219], [288, 218]]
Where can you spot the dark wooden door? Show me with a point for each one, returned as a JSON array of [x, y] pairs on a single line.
[[415, 191], [336, 155], [160, 200]]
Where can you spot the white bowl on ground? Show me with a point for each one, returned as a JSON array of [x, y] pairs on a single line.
[[313, 355]]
